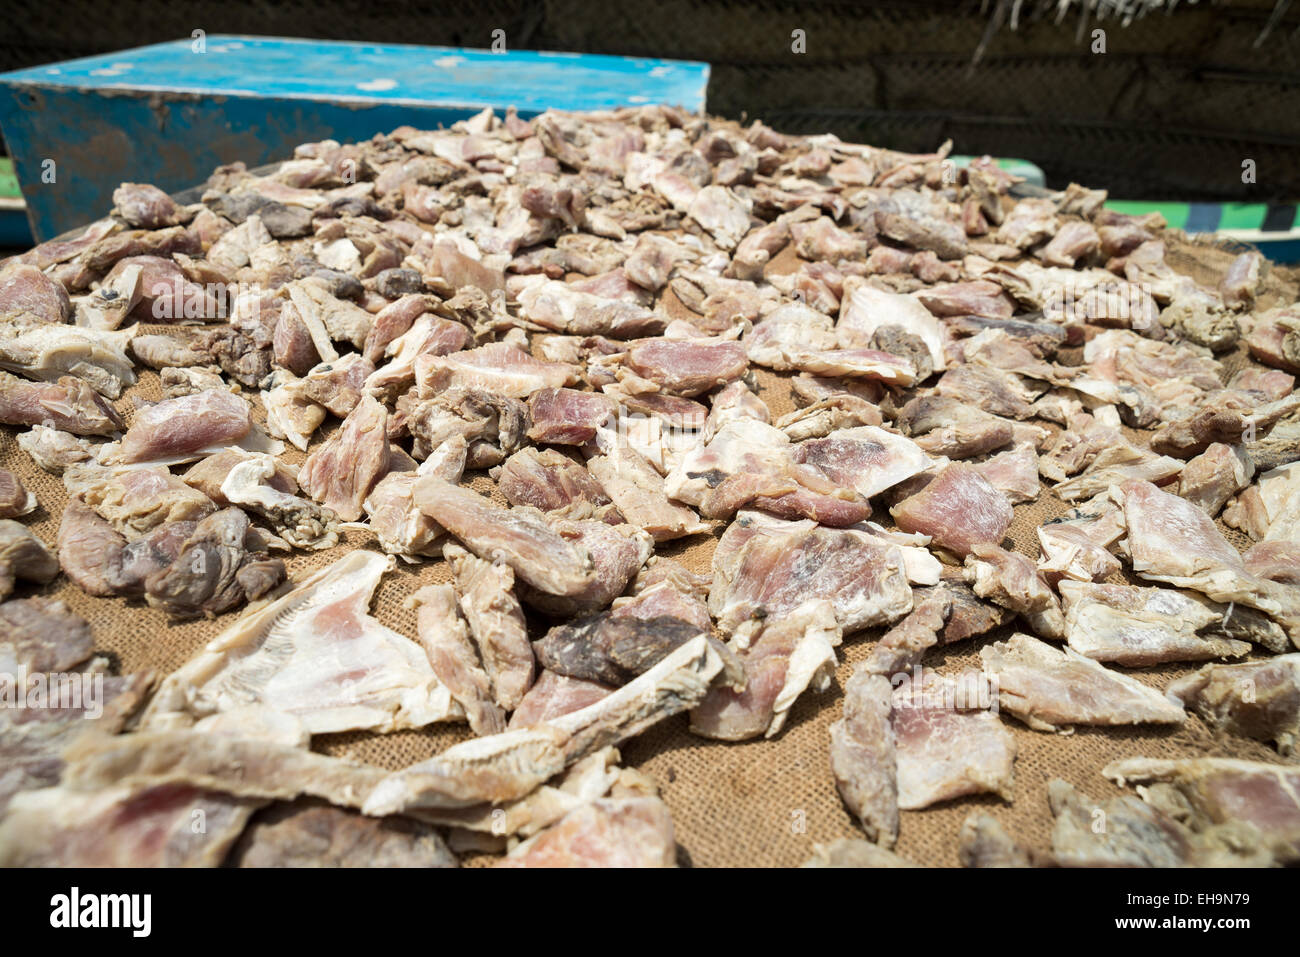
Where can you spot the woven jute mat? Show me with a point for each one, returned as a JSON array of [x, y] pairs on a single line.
[[756, 803]]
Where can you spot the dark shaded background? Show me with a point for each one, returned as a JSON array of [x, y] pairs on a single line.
[[1171, 110]]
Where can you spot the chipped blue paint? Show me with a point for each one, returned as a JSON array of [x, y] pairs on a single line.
[[168, 115]]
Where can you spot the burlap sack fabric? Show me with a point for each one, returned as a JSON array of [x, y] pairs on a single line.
[[756, 803]]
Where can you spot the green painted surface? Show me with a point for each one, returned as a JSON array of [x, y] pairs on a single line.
[[1233, 216], [8, 181], [1175, 214], [1242, 215]]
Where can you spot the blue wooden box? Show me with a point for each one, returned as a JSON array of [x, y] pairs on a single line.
[[168, 114]]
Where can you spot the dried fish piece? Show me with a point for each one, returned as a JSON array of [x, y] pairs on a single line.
[[15, 500], [594, 777], [983, 842], [1280, 447], [867, 459], [147, 207], [117, 297], [338, 385], [177, 430], [561, 308], [640, 494], [498, 367], [302, 523], [216, 569], [224, 760], [1119, 463], [343, 471], [567, 416], [492, 425], [136, 500], [766, 573], [1269, 509], [1075, 240], [121, 827], [57, 251], [398, 523], [863, 757], [1079, 548], [1256, 699], [54, 450], [1133, 834], [1242, 811], [208, 474], [32, 740], [946, 745], [849, 852], [25, 289], [944, 426], [181, 382], [1145, 626], [1049, 688], [306, 835], [1014, 473], [547, 480], [504, 767], [958, 510], [1273, 339], [517, 536], [393, 321], [609, 649], [617, 554], [723, 213], [554, 695], [755, 251], [749, 463], [42, 634], [327, 317], [1170, 540], [314, 653], [1011, 580], [865, 309], [23, 555], [788, 328], [289, 413], [665, 587], [45, 351], [1226, 417], [946, 239], [91, 551], [819, 419], [1277, 561], [684, 367], [901, 648], [609, 832], [789, 656], [486, 593], [969, 616], [103, 563], [428, 335], [67, 404], [854, 363], [446, 639], [993, 390]]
